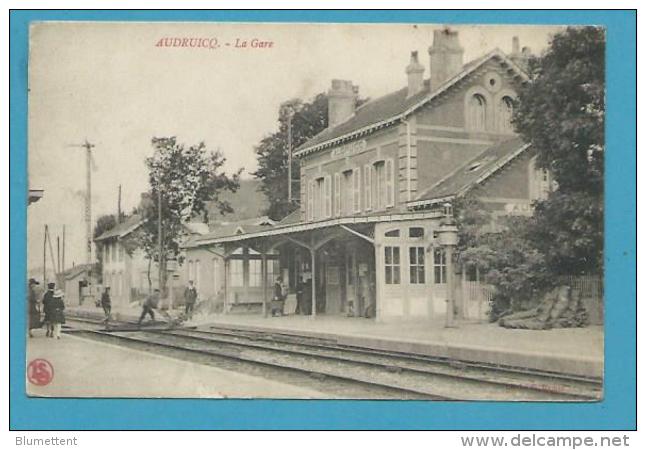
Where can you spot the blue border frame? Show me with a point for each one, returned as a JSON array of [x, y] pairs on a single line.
[[617, 411]]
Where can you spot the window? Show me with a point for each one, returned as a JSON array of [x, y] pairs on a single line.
[[416, 232], [346, 201], [106, 249], [356, 190], [236, 272], [390, 183], [392, 233], [380, 185], [113, 251], [328, 196], [417, 273], [255, 273], [505, 113], [337, 194], [477, 112], [319, 192], [384, 184], [439, 265], [392, 265], [367, 187], [120, 247]]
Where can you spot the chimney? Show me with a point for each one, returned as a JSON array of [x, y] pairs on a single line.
[[520, 57], [515, 45], [446, 56], [415, 72], [342, 98]]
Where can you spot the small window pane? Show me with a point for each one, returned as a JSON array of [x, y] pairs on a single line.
[[416, 232]]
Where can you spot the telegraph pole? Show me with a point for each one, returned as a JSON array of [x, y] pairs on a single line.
[[289, 156], [63, 261], [45, 258], [119, 206], [159, 238], [88, 198]]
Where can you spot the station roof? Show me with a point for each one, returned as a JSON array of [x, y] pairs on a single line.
[[473, 172], [390, 108]]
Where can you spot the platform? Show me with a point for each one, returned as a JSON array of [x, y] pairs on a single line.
[[87, 368], [574, 351]]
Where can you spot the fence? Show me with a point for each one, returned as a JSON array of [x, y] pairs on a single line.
[[591, 289], [474, 297]]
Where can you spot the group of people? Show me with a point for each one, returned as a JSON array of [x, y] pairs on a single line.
[[52, 305]]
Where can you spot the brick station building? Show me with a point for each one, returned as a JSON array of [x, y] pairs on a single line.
[[373, 187]]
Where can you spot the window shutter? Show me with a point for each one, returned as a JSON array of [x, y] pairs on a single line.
[[328, 196], [367, 186], [337, 194], [356, 181], [310, 200], [390, 183]]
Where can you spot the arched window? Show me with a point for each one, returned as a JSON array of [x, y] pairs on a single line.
[[477, 112], [505, 113]]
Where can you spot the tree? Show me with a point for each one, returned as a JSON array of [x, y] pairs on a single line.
[[308, 119], [562, 113], [183, 179]]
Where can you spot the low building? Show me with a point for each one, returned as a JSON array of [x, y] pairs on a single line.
[[374, 185], [79, 283]]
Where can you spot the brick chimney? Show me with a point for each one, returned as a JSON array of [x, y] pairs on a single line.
[[446, 56], [342, 99], [520, 57], [415, 72]]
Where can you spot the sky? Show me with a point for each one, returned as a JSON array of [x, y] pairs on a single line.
[[117, 85]]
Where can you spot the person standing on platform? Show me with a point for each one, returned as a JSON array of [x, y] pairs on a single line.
[[106, 304], [34, 312], [57, 313], [149, 306], [48, 298], [190, 297]]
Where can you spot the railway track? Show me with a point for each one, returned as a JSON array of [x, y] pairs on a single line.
[[376, 373]]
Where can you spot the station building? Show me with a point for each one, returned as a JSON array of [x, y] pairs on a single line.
[[374, 185]]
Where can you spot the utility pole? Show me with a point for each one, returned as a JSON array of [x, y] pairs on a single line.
[[119, 206], [45, 258], [63, 262], [58, 254], [289, 156], [51, 250], [160, 241], [88, 198]]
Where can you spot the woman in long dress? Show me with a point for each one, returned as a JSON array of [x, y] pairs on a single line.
[[58, 313], [34, 311]]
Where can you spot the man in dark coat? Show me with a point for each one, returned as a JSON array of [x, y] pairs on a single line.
[[57, 315], [106, 304], [34, 312], [150, 304], [48, 298], [190, 297]]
